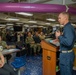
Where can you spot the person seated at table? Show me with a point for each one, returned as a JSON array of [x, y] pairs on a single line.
[[37, 42], [30, 44], [5, 69], [3, 45], [22, 46]]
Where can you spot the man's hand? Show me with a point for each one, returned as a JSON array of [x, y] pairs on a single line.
[[57, 34], [55, 41]]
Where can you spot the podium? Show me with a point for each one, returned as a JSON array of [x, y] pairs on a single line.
[[75, 58], [49, 58]]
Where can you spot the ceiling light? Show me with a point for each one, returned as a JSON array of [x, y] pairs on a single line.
[[22, 13], [35, 25], [9, 24], [32, 21], [12, 19], [47, 23], [57, 25], [73, 24], [50, 19], [61, 25], [26, 25], [19, 23], [40, 26], [2, 25]]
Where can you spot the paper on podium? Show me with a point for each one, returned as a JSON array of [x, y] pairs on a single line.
[[48, 39], [57, 43]]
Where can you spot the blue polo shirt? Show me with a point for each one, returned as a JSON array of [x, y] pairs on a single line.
[[67, 39]]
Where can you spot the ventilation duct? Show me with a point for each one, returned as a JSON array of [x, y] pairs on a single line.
[[32, 7]]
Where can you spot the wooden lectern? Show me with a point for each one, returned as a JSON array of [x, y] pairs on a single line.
[[49, 58]]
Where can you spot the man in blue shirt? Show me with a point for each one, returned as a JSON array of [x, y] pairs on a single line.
[[67, 40]]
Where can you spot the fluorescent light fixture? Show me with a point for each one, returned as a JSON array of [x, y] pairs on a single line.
[[2, 25], [73, 24], [26, 25], [40, 26], [50, 19], [33, 26], [61, 25], [32, 21], [19, 23], [23, 13], [12, 19], [9, 24], [57, 25], [47, 23]]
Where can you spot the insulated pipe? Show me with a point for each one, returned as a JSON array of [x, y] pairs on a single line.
[[63, 2], [72, 10], [31, 7]]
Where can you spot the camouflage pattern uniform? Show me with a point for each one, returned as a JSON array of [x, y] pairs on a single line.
[[29, 41], [3, 44]]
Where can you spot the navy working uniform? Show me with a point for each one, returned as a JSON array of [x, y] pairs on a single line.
[[67, 40]]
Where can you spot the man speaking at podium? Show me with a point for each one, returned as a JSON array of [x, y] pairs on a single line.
[[67, 40]]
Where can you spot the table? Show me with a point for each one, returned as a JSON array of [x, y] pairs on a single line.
[[9, 51]]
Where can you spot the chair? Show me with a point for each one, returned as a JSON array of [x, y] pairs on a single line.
[[20, 45], [18, 63]]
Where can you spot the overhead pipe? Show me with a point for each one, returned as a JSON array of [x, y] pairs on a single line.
[[31, 7], [63, 2]]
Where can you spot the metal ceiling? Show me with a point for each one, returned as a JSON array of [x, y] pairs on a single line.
[[40, 17]]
